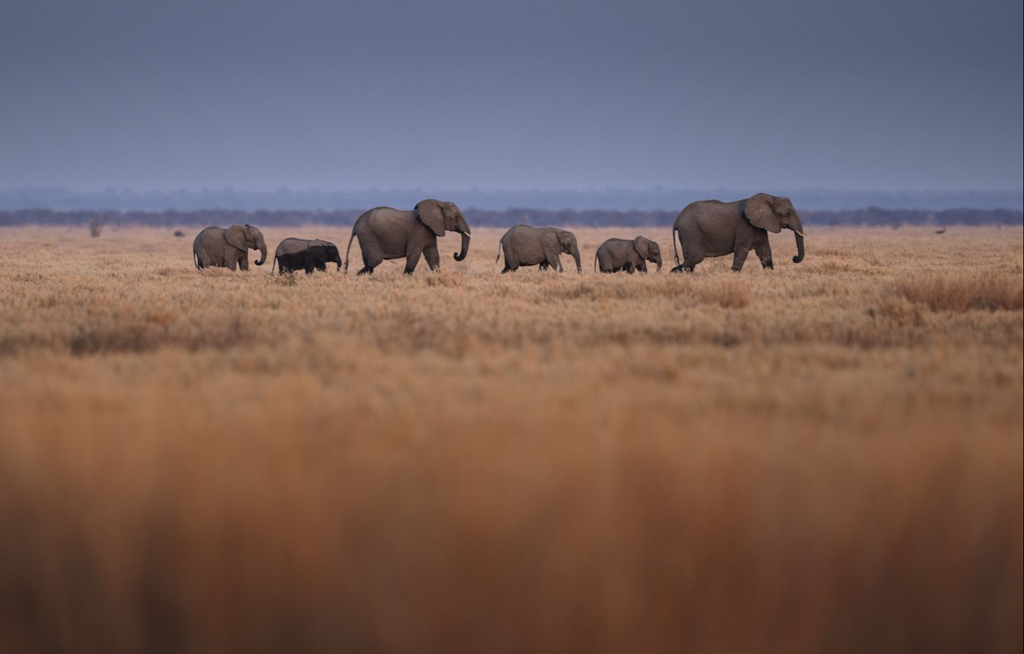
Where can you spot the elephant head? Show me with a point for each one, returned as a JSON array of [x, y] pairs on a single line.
[[648, 250], [441, 216], [567, 241], [773, 213], [325, 252], [247, 237]]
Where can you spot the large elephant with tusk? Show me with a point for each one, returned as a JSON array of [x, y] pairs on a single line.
[[714, 229], [385, 233]]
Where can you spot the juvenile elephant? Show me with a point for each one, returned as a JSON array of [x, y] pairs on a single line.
[[303, 254], [617, 254], [385, 233], [524, 245], [713, 229], [228, 248]]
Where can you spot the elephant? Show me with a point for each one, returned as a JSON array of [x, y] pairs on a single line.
[[385, 233], [228, 248], [713, 229], [617, 254], [303, 254], [525, 245]]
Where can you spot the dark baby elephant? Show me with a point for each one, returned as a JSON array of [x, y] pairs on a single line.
[[714, 229], [228, 248], [303, 254], [617, 254], [385, 233], [524, 245]]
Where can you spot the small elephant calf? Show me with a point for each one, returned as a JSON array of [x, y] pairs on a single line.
[[303, 254], [617, 254]]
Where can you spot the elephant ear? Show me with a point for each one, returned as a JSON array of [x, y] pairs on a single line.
[[549, 238], [758, 210], [642, 247], [431, 214], [235, 236], [321, 250]]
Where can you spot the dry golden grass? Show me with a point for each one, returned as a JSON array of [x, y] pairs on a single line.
[[827, 457], [964, 292]]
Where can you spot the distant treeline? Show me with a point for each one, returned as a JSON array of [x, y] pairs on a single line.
[[871, 216], [615, 199]]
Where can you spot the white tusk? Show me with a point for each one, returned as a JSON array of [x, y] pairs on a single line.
[[800, 233]]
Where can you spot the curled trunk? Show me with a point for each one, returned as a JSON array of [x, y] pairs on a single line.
[[263, 253], [799, 248], [459, 256]]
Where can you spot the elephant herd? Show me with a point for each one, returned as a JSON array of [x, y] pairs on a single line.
[[703, 229]]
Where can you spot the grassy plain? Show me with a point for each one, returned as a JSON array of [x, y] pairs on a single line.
[[826, 457]]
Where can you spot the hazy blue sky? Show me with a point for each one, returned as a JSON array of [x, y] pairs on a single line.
[[885, 94]]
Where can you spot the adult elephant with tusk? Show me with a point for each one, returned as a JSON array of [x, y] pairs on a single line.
[[385, 233], [216, 247], [714, 229]]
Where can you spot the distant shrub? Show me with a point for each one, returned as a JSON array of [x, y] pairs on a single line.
[[96, 227]]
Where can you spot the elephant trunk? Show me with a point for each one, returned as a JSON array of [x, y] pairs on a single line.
[[657, 260], [263, 252], [459, 256], [799, 247], [576, 256]]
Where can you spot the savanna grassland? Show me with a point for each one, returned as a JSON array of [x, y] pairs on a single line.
[[823, 458]]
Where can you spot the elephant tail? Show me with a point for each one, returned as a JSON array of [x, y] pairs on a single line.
[[195, 259], [349, 248], [595, 262], [272, 264], [497, 258], [675, 234]]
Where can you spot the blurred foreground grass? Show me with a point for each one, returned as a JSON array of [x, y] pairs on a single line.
[[827, 457]]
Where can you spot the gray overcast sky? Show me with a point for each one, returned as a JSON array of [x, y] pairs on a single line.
[[920, 94]]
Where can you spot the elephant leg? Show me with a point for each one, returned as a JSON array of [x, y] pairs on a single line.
[[738, 258], [411, 260], [764, 253], [230, 263], [432, 257], [371, 258], [688, 264], [553, 261], [511, 262], [243, 263]]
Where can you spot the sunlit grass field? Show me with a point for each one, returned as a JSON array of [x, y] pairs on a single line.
[[823, 457]]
